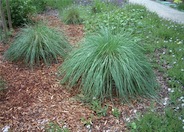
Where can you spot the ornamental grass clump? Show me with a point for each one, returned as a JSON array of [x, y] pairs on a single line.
[[72, 15], [108, 65], [37, 44]]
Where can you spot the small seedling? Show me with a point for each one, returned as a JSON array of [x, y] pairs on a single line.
[[116, 112], [86, 122], [99, 110], [53, 127], [2, 85]]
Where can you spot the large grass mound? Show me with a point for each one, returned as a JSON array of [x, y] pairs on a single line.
[[38, 44], [107, 65]]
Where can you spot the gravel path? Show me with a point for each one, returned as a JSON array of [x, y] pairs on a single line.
[[162, 10]]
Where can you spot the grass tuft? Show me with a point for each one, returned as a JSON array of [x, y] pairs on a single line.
[[72, 15], [37, 44], [99, 6], [108, 65]]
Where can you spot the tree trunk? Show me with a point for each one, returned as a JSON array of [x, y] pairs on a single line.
[[3, 20], [9, 14]]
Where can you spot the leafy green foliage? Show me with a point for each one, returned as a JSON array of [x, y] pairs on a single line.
[[98, 6], [102, 6], [98, 109], [169, 37], [40, 5], [116, 112], [181, 6], [36, 44], [106, 65], [119, 19], [59, 4], [72, 15], [151, 122], [20, 11], [53, 127]]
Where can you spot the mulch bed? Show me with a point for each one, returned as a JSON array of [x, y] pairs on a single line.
[[34, 98]]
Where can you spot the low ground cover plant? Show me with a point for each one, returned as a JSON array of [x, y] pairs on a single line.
[[107, 65], [169, 121], [37, 44], [98, 6], [59, 4], [97, 107], [128, 18]]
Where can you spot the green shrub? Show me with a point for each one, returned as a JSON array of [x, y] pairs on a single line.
[[40, 5], [181, 6], [20, 11], [154, 122], [107, 64], [72, 15], [36, 44]]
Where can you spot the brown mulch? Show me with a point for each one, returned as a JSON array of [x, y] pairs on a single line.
[[35, 97], [74, 32]]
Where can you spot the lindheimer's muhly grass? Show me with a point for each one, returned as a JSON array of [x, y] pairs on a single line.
[[37, 44], [108, 65]]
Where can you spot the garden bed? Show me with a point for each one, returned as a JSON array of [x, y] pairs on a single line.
[[34, 99]]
